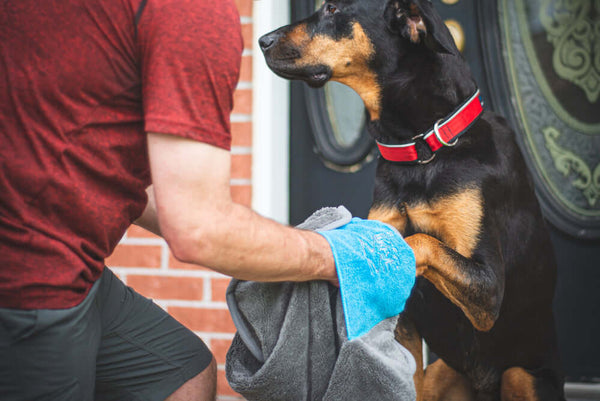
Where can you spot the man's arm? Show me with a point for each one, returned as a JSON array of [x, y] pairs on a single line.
[[149, 218], [202, 224]]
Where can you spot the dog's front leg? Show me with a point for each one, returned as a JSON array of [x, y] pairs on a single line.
[[406, 334], [476, 288]]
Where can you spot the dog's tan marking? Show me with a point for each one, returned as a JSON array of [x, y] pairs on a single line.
[[298, 36], [395, 217], [442, 383], [348, 59], [407, 334], [455, 220], [518, 385]]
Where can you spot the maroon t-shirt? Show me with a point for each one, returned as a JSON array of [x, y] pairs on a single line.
[[80, 84]]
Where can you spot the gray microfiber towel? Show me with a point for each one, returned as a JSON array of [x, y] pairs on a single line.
[[292, 343]]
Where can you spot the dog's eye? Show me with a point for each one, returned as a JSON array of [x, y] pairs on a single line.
[[331, 9]]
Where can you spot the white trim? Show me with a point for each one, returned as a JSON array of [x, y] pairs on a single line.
[[270, 139], [404, 145]]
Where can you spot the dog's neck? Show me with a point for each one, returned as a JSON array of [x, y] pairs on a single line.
[[425, 88]]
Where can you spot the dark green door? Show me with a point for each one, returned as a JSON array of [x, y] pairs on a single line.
[[538, 64]]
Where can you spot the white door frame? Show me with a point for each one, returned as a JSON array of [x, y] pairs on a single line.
[[271, 120]]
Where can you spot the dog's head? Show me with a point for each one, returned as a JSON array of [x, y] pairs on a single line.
[[357, 43]]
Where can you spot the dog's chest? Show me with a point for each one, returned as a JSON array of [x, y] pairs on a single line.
[[455, 219]]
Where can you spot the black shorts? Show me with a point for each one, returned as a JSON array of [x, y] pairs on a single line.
[[115, 345]]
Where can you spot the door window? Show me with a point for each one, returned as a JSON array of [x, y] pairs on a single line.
[[337, 117]]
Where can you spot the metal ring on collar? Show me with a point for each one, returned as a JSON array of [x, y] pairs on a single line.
[[436, 129], [428, 160]]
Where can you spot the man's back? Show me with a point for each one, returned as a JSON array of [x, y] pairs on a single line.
[[81, 83]]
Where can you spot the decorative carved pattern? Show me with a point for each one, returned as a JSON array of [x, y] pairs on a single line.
[[567, 162], [562, 151], [575, 35]]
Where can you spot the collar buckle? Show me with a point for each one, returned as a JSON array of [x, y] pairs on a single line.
[[436, 130], [421, 137]]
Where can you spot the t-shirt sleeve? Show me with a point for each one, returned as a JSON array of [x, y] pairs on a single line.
[[190, 54]]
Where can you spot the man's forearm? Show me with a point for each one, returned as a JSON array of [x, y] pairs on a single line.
[[202, 224], [247, 246], [238, 242]]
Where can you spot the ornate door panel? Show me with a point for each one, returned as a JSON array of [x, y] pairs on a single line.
[[552, 50]]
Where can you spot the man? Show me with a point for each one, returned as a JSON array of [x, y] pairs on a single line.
[[98, 100]]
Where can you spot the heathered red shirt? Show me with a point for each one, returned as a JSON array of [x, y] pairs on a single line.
[[80, 84]]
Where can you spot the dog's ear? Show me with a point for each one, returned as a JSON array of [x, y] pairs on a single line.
[[417, 21]]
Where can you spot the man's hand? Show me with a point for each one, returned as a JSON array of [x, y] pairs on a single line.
[[202, 224]]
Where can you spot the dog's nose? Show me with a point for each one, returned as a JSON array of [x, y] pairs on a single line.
[[266, 41]]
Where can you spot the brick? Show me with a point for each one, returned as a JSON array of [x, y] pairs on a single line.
[[246, 69], [160, 287], [218, 288], [200, 319], [138, 232], [175, 264], [135, 256], [241, 134], [241, 166], [219, 349], [244, 7], [247, 32], [223, 387], [242, 194], [242, 101]]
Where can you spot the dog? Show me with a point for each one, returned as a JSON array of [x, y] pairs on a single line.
[[453, 182]]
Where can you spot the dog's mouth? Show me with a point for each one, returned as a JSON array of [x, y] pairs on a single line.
[[314, 76], [319, 78]]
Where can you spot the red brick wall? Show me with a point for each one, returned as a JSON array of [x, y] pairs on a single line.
[[192, 294]]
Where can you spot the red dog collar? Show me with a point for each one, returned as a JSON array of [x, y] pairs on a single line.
[[445, 132]]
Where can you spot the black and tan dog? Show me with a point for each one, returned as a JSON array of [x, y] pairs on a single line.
[[452, 181]]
